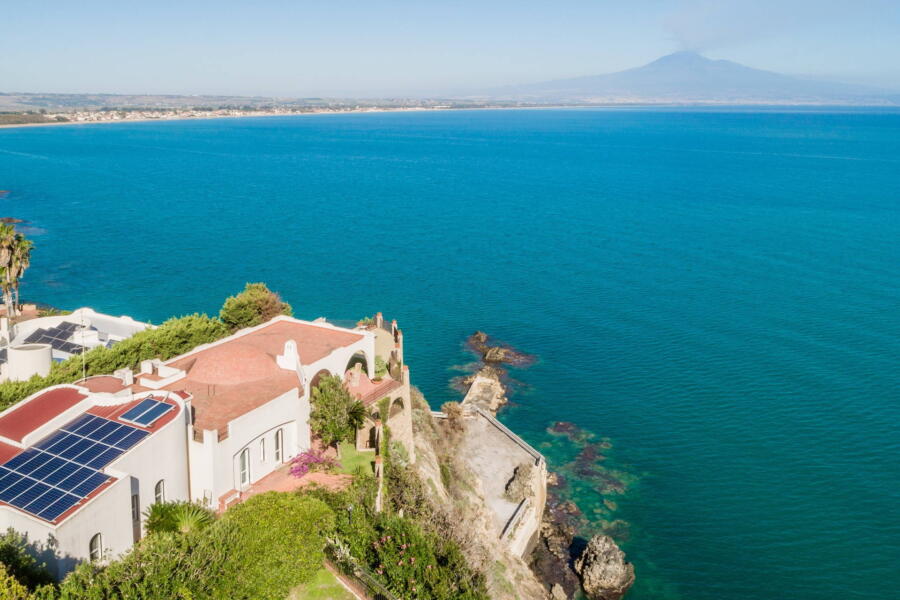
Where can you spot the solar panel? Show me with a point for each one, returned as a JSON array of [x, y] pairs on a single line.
[[35, 336], [61, 470], [142, 407], [150, 417], [147, 412], [59, 507]]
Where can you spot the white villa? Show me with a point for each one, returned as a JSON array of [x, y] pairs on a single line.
[[80, 463], [30, 347]]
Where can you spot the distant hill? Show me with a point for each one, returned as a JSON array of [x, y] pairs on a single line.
[[688, 77]]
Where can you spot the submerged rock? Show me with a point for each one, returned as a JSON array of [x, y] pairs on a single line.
[[558, 593], [604, 572]]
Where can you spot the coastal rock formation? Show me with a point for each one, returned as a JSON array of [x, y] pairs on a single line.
[[479, 342], [558, 593], [604, 572], [520, 486]]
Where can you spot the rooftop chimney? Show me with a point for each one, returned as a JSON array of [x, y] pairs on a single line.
[[126, 375]]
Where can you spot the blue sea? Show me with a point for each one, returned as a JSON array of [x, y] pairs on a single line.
[[713, 294]]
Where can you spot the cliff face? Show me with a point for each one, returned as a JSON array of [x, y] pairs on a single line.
[[461, 496]]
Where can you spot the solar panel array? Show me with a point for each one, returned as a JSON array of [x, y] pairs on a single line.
[[58, 337], [62, 469], [147, 412]]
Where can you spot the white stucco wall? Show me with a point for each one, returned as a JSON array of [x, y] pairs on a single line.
[[215, 465], [161, 456]]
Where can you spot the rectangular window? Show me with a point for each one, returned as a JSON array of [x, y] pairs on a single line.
[[262, 450], [279, 446], [245, 467], [135, 508]]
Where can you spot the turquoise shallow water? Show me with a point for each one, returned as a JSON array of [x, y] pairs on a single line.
[[715, 292]]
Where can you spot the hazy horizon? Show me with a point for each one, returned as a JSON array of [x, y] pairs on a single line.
[[404, 48]]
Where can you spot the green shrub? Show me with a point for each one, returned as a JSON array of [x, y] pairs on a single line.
[[174, 337], [381, 367], [336, 415], [165, 565], [279, 544], [10, 588], [19, 564], [257, 304], [178, 517], [409, 560]]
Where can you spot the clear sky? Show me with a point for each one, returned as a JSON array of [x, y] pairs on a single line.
[[376, 48]]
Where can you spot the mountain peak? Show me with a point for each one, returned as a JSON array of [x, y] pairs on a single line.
[[682, 57], [690, 77]]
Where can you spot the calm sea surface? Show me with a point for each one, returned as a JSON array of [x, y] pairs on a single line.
[[717, 293]]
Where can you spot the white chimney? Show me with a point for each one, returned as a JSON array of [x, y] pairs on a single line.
[[126, 375]]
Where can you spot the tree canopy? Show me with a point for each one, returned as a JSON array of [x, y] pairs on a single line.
[[335, 415], [257, 304]]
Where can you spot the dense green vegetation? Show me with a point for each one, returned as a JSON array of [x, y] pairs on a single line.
[[254, 306], [24, 118], [174, 337], [336, 415], [19, 564], [409, 559], [177, 517], [259, 550]]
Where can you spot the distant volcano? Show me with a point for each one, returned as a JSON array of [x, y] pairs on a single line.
[[688, 77]]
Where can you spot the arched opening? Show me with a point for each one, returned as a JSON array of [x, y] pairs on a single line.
[[95, 548], [360, 358], [314, 382], [396, 408], [372, 438]]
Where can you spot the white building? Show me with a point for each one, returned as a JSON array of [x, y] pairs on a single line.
[[238, 410], [30, 347]]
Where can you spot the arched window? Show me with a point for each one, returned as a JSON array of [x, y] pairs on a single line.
[[245, 466], [159, 491], [96, 548], [262, 450], [279, 446]]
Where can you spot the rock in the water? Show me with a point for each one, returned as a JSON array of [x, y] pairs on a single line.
[[604, 572], [558, 593]]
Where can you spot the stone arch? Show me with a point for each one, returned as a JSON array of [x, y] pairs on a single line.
[[396, 408]]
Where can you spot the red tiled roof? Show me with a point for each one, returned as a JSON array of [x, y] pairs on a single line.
[[369, 392], [102, 383], [28, 416], [232, 378], [7, 452]]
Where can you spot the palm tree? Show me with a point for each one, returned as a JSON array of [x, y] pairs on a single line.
[[356, 417], [7, 244], [21, 260], [177, 517]]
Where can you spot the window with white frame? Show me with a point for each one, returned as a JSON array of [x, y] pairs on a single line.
[[159, 491], [245, 466], [262, 450], [279, 446]]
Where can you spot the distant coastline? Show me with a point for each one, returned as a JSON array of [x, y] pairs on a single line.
[[94, 117]]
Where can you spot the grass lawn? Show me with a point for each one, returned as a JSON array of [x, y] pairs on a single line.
[[351, 458], [324, 586]]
